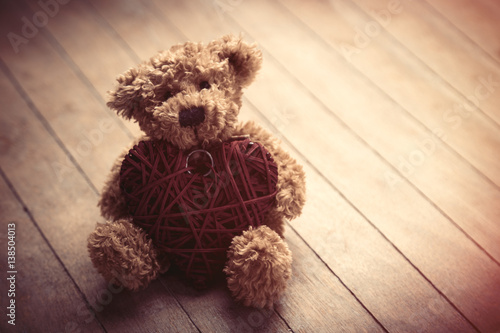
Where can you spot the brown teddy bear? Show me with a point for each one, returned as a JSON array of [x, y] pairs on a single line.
[[200, 190]]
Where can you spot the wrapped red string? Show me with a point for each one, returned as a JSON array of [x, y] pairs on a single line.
[[193, 207]]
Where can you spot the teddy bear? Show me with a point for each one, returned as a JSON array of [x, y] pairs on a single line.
[[199, 190]]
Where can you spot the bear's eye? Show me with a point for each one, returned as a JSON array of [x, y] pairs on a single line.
[[167, 95], [204, 85]]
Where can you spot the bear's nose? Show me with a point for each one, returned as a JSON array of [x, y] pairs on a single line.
[[192, 116]]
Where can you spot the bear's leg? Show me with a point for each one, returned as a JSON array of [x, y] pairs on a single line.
[[124, 254], [259, 264]]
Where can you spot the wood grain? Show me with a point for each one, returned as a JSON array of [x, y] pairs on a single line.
[[43, 289], [445, 50], [478, 20], [423, 157], [96, 70], [419, 213], [393, 69], [400, 232]]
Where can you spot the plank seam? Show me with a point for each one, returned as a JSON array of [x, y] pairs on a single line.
[[83, 78], [78, 72], [450, 86], [180, 304], [305, 160], [385, 161], [461, 32], [45, 123], [283, 319], [35, 224], [156, 12], [113, 33], [326, 180], [338, 278], [424, 127]]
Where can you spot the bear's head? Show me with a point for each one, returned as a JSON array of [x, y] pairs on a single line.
[[191, 94]]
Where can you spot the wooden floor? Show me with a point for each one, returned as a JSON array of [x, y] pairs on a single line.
[[392, 106]]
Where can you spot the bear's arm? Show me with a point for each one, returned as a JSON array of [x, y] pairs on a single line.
[[112, 203], [291, 185]]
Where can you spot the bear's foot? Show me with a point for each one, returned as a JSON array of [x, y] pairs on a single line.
[[124, 254], [259, 264]]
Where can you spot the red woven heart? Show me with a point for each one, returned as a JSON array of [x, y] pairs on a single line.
[[193, 211]]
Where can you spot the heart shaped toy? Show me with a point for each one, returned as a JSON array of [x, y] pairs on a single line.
[[192, 203]]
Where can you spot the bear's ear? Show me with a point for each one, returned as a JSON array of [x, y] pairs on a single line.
[[245, 59], [132, 89]]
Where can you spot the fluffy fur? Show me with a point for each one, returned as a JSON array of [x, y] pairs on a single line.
[[291, 188], [210, 77], [155, 92], [112, 204], [122, 253], [258, 266]]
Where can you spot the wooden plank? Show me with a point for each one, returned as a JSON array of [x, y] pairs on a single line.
[[419, 155], [91, 62], [51, 78], [393, 69], [444, 50], [153, 34], [478, 20], [409, 222], [156, 36], [403, 216], [65, 209], [280, 93], [40, 279], [363, 259]]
